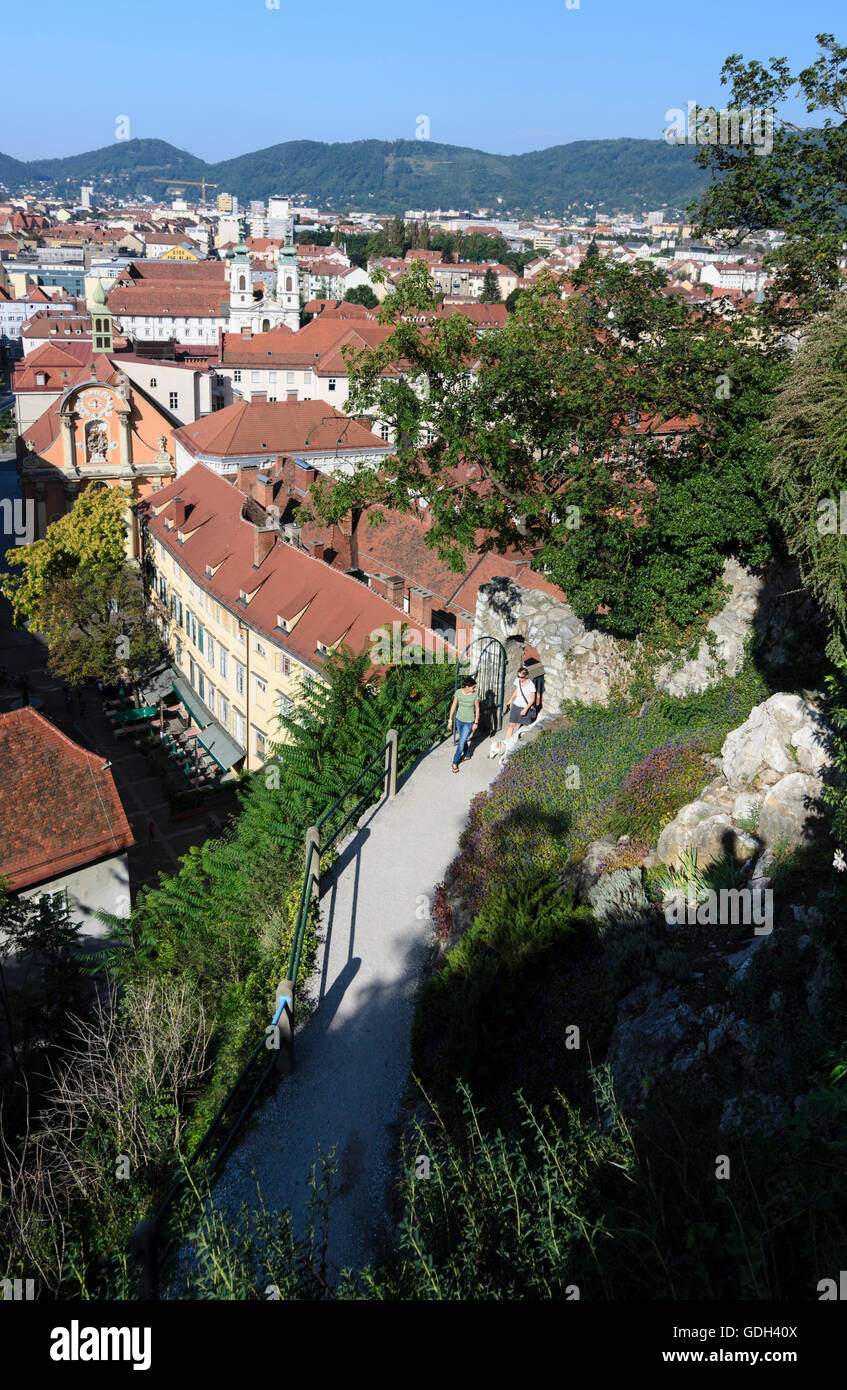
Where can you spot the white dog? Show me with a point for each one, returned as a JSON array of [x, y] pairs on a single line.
[[501, 748]]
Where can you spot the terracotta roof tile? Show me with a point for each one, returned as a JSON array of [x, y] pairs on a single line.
[[59, 809]]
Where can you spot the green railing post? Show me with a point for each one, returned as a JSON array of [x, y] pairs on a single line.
[[391, 760], [313, 853], [285, 1035]]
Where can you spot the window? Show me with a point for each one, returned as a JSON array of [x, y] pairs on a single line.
[[236, 376], [200, 636], [332, 383], [192, 670], [285, 706], [282, 664], [259, 743], [260, 690], [210, 650], [240, 727], [238, 677], [178, 650], [254, 376], [201, 684], [261, 650], [223, 709], [173, 398], [271, 376], [384, 433], [153, 382], [289, 376], [210, 696], [222, 661]]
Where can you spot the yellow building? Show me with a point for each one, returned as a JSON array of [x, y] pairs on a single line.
[[179, 253], [248, 616]]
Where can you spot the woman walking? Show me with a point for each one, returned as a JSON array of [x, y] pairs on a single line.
[[524, 704], [466, 708]]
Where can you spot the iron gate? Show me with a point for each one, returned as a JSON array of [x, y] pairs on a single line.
[[485, 659]]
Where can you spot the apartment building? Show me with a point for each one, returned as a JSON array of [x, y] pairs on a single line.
[[248, 616]]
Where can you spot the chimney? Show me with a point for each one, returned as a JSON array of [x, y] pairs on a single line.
[[420, 606], [180, 513], [264, 490], [244, 480], [318, 549], [395, 589], [263, 543], [378, 585]]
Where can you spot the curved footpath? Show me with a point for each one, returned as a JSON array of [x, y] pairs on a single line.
[[352, 1056]]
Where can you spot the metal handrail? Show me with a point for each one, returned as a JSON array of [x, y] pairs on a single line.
[[310, 879]]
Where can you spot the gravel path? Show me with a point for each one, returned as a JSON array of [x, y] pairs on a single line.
[[352, 1056]]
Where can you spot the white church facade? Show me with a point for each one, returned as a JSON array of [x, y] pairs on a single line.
[[260, 315]]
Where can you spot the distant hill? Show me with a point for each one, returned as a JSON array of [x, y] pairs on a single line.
[[619, 175]]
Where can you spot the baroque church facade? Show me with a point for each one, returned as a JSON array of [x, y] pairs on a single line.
[[260, 315]]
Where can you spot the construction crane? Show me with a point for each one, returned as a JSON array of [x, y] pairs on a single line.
[[189, 183]]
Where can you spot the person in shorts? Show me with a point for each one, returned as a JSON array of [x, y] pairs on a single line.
[[524, 704]]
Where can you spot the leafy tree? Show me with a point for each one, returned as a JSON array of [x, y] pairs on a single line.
[[93, 532], [396, 240], [39, 930], [800, 185], [565, 418], [97, 625], [78, 591], [490, 288], [512, 300], [362, 294], [592, 254]]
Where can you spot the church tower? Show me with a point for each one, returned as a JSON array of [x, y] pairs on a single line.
[[101, 318], [240, 279], [288, 286]]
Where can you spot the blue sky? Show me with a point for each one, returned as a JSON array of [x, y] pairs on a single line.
[[221, 79]]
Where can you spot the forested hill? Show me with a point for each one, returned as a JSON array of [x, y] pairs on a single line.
[[613, 175]]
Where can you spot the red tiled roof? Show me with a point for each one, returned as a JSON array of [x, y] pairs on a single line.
[[51, 360], [249, 428], [288, 581], [59, 809], [47, 325], [179, 300]]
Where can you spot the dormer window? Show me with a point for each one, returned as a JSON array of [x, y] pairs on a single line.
[[40, 379], [282, 623]]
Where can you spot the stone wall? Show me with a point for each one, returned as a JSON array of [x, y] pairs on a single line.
[[583, 664]]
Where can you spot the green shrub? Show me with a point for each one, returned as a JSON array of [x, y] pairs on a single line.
[[538, 816], [468, 1013]]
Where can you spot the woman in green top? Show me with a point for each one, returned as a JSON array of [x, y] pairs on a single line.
[[466, 708]]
